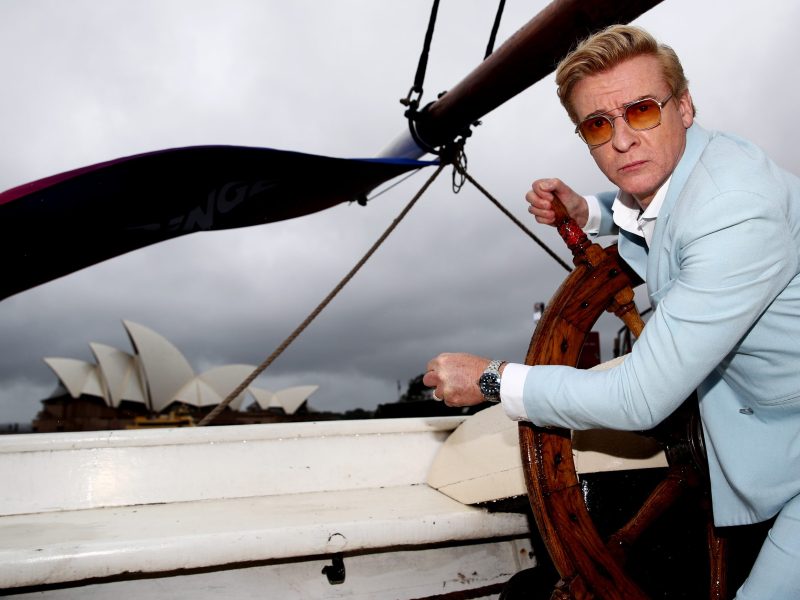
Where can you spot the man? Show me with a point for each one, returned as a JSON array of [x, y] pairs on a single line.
[[713, 226]]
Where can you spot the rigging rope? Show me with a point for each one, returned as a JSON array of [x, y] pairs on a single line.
[[279, 350], [495, 27], [457, 166], [413, 112], [459, 161], [389, 187], [422, 65]]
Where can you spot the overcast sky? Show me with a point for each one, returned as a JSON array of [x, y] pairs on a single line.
[[89, 80]]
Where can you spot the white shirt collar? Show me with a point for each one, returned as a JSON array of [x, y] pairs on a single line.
[[628, 215]]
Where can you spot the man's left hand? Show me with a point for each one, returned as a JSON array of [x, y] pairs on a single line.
[[455, 378]]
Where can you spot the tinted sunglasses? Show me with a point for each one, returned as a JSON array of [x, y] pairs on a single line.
[[640, 115]]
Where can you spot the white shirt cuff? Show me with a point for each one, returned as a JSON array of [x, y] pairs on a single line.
[[593, 222], [512, 385]]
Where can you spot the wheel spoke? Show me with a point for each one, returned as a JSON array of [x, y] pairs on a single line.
[[678, 479], [717, 560]]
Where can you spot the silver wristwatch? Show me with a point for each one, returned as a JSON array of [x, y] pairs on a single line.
[[489, 382]]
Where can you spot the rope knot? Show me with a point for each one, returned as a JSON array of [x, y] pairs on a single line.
[[454, 154]]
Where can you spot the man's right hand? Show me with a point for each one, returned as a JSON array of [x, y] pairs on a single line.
[[541, 197]]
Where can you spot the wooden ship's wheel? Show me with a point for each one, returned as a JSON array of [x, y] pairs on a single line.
[[591, 564]]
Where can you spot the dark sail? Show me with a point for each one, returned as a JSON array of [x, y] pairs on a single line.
[[63, 223]]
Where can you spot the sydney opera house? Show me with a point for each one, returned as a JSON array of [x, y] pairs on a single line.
[[155, 386]]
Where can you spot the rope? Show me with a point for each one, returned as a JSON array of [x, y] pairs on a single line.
[[389, 187], [279, 350], [459, 169], [505, 211], [422, 65], [495, 27]]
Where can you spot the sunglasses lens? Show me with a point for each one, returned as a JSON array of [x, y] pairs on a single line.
[[596, 130], [643, 115]]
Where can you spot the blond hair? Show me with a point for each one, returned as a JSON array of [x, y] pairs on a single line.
[[608, 48]]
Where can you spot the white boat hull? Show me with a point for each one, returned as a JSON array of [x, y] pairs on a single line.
[[249, 511]]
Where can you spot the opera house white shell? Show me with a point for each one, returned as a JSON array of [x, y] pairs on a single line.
[[157, 375]]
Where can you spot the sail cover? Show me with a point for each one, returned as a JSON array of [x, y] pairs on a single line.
[[66, 222]]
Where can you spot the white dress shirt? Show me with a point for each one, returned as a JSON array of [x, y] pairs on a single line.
[[628, 215]]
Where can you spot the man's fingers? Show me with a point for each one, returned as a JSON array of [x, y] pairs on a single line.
[[549, 187], [546, 186], [541, 208], [430, 379]]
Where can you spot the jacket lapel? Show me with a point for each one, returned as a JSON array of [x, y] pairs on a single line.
[[658, 273]]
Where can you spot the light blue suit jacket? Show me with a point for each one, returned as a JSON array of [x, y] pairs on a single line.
[[722, 274]]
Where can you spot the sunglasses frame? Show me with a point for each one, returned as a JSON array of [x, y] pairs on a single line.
[[624, 116]]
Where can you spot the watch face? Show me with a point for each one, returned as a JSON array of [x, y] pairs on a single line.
[[489, 384]]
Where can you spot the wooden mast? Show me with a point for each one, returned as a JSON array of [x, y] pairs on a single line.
[[525, 58]]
